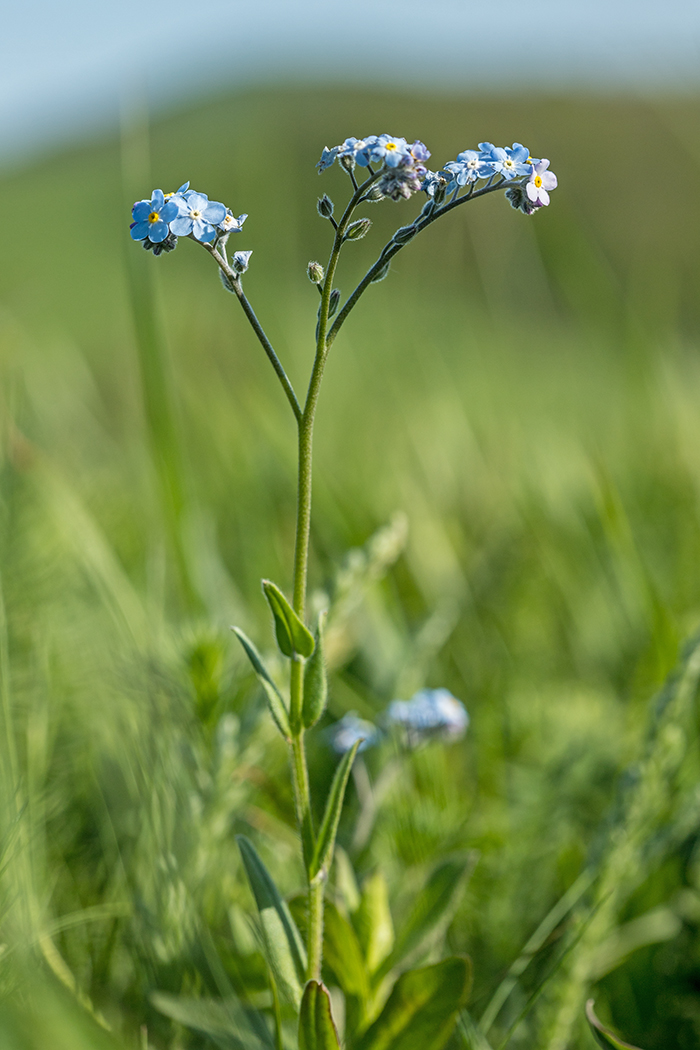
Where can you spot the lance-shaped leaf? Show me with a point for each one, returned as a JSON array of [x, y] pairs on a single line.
[[603, 1035], [422, 1009], [226, 1022], [315, 680], [317, 1030], [278, 708], [323, 853], [284, 949], [432, 909], [292, 635]]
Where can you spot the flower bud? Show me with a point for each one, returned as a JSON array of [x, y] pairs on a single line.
[[239, 262], [358, 229], [227, 282], [404, 234], [347, 161], [315, 272], [518, 199], [334, 301], [325, 206], [374, 194]]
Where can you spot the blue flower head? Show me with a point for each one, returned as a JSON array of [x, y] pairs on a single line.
[[196, 215], [349, 730], [429, 713], [231, 224], [389, 149], [509, 162], [151, 218], [476, 164], [327, 158]]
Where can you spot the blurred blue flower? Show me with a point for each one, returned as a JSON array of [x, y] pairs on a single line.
[[509, 162], [419, 151], [197, 215], [350, 729], [356, 150], [430, 712], [476, 164], [151, 218], [327, 158], [389, 149]]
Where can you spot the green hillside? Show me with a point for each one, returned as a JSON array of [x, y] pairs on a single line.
[[520, 395]]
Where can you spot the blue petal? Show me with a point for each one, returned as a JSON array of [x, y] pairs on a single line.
[[182, 226], [139, 231], [197, 201], [158, 232], [157, 200], [214, 212], [169, 211], [141, 210], [183, 189], [203, 231]]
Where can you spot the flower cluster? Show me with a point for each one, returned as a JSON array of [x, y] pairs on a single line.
[[402, 164], [429, 714], [489, 162], [159, 222], [403, 170]]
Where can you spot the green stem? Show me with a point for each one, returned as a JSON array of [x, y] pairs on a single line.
[[315, 937], [234, 281]]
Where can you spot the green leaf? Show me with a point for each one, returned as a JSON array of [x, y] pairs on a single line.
[[315, 680], [372, 920], [343, 954], [432, 910], [278, 708], [284, 949], [422, 1009], [323, 853], [225, 1021], [603, 1035], [293, 637], [316, 1028]]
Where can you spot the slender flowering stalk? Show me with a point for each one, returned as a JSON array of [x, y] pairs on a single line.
[[393, 169]]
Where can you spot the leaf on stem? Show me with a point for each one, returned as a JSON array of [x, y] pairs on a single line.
[[317, 1029], [293, 637], [278, 708], [284, 948], [323, 853], [603, 1035], [315, 680], [422, 1009]]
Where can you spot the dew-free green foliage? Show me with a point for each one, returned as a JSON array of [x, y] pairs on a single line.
[[525, 391]]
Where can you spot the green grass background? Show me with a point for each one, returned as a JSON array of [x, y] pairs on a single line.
[[525, 391]]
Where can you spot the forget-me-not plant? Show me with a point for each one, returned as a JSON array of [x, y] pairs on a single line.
[[378, 167]]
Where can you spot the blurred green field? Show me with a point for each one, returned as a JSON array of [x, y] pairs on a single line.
[[521, 394]]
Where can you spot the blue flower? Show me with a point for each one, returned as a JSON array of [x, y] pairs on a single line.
[[509, 162], [430, 712], [389, 149], [151, 218], [327, 158], [436, 184], [197, 215], [419, 151], [349, 730], [477, 165], [231, 224]]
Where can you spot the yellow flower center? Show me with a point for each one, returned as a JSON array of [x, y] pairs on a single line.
[[538, 181], [390, 145], [154, 217]]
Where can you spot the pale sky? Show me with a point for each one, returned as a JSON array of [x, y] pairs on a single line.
[[67, 65]]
